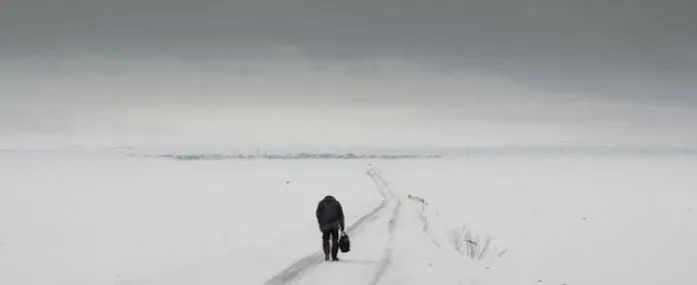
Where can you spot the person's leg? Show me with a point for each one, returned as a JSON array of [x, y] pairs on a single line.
[[325, 243], [335, 244]]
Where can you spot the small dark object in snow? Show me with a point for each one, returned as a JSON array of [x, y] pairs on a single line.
[[430, 264], [539, 281], [584, 218], [287, 181]]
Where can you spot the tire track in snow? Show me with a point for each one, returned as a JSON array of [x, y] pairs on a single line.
[[389, 251], [297, 269]]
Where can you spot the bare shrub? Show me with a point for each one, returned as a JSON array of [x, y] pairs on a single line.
[[469, 243]]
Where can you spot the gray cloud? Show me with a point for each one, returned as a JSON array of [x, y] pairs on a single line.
[[332, 107], [330, 27], [604, 47], [160, 65]]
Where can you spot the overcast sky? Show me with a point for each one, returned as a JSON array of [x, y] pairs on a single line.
[[348, 72]]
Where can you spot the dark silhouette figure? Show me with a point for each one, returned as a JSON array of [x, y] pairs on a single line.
[[330, 217]]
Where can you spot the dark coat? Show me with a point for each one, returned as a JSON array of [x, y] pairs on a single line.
[[330, 214]]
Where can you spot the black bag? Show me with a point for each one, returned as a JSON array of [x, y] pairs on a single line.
[[344, 242]]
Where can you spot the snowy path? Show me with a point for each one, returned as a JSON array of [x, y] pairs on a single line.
[[369, 232], [389, 246]]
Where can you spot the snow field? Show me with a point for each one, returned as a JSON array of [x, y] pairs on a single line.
[[82, 217], [573, 219], [85, 217]]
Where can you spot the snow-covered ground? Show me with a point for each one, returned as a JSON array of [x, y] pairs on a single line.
[[101, 218], [571, 219], [93, 217]]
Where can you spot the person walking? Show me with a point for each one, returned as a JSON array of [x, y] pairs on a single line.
[[330, 218]]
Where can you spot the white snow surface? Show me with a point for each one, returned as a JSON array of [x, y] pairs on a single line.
[[83, 217]]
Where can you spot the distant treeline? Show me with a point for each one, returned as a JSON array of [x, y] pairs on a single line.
[[294, 156], [463, 152]]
